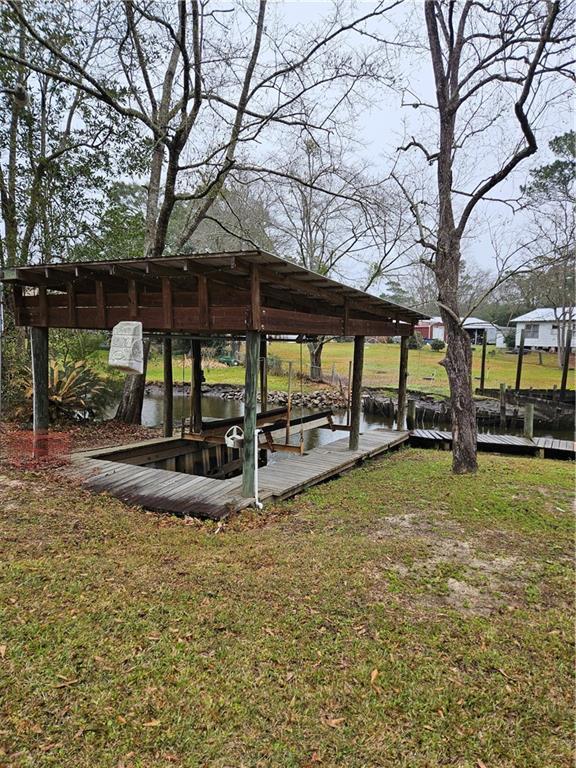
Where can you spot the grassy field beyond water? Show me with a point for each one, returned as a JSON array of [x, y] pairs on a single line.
[[381, 367], [396, 618]]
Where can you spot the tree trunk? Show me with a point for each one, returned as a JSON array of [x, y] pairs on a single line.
[[315, 349], [458, 364], [130, 407]]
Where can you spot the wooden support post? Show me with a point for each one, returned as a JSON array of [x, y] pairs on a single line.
[[529, 420], [263, 373], [402, 383], [356, 399], [132, 299], [483, 363], [349, 393], [101, 304], [40, 416], [18, 295], [167, 303], [168, 386], [566, 362], [203, 301], [520, 358], [43, 305], [250, 456], [503, 406], [196, 388], [71, 304], [255, 297]]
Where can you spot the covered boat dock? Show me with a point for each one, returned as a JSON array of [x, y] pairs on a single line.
[[252, 296]]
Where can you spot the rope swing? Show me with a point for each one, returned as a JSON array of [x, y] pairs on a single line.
[[182, 418], [301, 403]]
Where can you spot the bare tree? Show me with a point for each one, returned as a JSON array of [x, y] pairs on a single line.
[[49, 135], [202, 85], [329, 216], [551, 196], [415, 286], [496, 69]]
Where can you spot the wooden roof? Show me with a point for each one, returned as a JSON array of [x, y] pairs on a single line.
[[229, 292]]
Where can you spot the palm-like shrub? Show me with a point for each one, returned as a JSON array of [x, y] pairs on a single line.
[[75, 392]]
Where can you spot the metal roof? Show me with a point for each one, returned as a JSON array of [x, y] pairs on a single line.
[[545, 315]]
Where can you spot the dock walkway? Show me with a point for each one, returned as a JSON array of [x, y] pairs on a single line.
[[167, 491], [546, 447]]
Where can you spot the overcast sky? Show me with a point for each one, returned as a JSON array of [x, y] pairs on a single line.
[[386, 125]]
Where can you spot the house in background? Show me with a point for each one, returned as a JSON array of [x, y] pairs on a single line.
[[430, 329], [434, 329], [541, 327]]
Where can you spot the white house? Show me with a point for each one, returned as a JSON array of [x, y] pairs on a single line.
[[541, 327], [434, 329]]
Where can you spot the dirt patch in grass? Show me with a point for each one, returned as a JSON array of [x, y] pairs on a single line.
[[450, 570]]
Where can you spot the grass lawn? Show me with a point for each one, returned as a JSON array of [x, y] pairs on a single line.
[[395, 618], [381, 367]]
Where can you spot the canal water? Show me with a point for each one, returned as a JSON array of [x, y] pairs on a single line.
[[220, 408]]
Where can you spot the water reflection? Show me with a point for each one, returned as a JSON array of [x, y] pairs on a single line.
[[218, 408]]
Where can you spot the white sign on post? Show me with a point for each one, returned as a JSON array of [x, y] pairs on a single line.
[[126, 348]]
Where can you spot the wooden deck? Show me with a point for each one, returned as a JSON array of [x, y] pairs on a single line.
[[546, 447], [180, 493]]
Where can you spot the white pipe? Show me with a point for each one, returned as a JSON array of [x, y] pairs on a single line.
[[258, 504]]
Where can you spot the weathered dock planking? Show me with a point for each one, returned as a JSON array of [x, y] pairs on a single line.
[[167, 491], [546, 447]]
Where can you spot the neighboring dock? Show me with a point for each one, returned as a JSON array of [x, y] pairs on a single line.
[[545, 447], [186, 494]]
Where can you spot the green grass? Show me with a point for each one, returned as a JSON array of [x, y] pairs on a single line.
[[381, 362], [381, 368], [398, 616]]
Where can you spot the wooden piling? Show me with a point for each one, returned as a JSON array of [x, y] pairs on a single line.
[[40, 403], [249, 454], [356, 397], [566, 362], [483, 363], [411, 418], [402, 383], [529, 420], [520, 359], [168, 395], [196, 388], [503, 406]]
